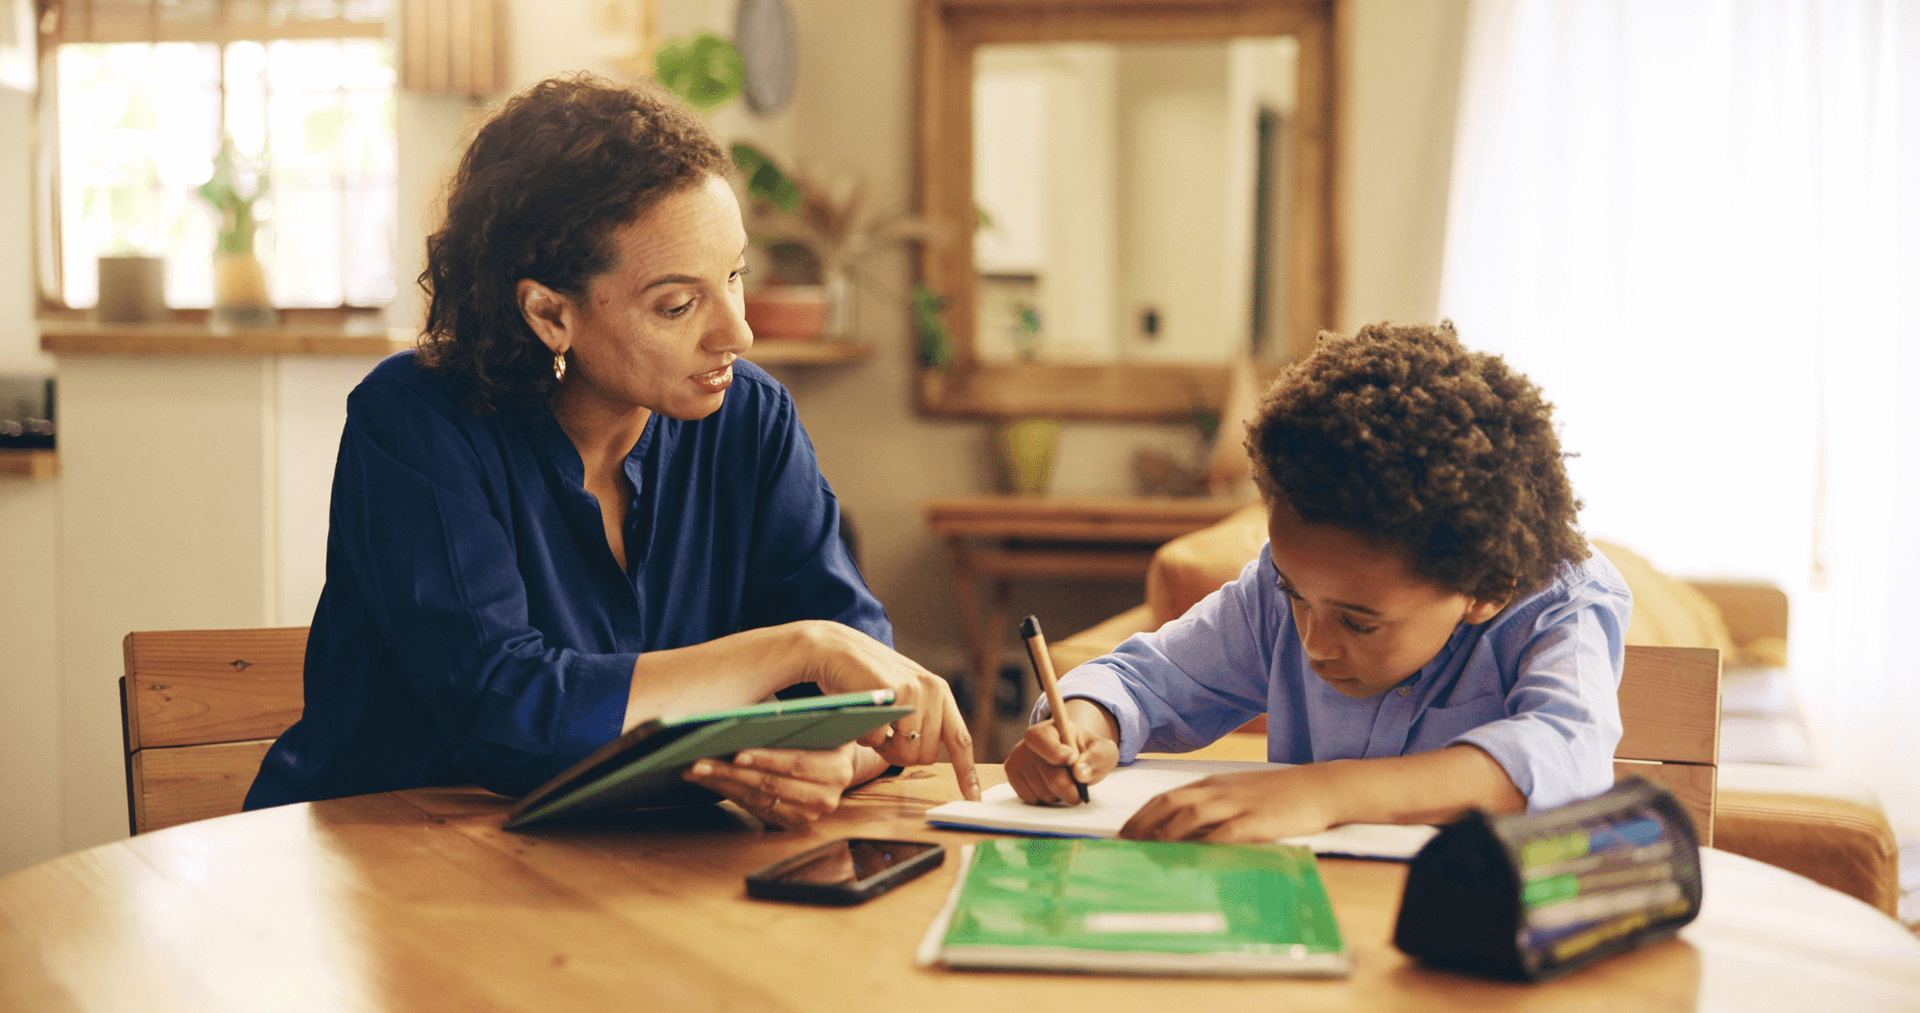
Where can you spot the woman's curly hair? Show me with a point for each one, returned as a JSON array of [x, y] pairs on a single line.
[[538, 194], [1403, 436]]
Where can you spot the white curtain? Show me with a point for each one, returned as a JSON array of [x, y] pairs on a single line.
[[1696, 223]]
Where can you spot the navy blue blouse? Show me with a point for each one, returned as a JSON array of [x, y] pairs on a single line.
[[475, 627]]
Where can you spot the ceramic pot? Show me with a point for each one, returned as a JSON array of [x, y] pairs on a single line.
[[787, 312], [240, 298], [1026, 451], [133, 290]]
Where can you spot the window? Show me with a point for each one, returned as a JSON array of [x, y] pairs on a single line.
[[141, 121]]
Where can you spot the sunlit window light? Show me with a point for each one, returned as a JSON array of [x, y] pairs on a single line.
[[141, 123]]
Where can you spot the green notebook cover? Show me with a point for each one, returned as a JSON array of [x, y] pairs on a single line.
[[643, 767], [1139, 907]]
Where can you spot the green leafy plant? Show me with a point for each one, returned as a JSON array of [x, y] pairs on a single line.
[[705, 71], [223, 191], [1026, 329], [765, 180], [1205, 418], [936, 342]]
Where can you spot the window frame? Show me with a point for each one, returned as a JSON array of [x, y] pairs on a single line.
[[64, 22]]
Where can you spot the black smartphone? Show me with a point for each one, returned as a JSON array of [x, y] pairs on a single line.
[[846, 871]]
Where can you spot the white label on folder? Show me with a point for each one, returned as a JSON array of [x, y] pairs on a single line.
[[1156, 921]]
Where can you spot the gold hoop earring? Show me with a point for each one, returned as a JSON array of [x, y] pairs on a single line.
[[559, 366]]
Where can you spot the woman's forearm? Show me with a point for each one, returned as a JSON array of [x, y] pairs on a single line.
[[731, 671]]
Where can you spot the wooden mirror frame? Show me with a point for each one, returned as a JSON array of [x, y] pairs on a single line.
[[949, 32]]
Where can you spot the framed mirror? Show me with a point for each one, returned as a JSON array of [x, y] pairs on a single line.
[[1129, 196]]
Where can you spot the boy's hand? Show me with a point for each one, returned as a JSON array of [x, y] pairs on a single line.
[[1038, 768], [1258, 805]]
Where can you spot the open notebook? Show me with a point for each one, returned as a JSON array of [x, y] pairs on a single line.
[[1124, 791]]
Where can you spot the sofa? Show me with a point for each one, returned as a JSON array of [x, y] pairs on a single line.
[[1773, 802]]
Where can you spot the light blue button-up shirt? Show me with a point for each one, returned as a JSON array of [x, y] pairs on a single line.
[[1536, 687]]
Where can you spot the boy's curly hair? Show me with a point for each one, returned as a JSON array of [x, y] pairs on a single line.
[[1402, 435], [538, 194]]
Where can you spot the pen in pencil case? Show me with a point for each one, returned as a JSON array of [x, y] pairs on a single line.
[[1043, 670]]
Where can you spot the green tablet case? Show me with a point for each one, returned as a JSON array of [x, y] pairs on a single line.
[[643, 767]]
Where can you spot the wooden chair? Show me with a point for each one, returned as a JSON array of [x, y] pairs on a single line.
[[198, 709], [1670, 720]]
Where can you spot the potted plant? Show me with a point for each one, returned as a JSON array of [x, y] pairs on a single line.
[[240, 297]]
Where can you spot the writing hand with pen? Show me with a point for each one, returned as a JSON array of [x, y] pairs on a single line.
[[1056, 760], [1046, 770]]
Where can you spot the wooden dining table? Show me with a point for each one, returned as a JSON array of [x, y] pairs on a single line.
[[418, 900]]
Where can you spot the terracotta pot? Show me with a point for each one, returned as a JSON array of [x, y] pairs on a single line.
[[787, 312]]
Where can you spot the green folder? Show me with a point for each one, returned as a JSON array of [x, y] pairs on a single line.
[[1139, 907], [642, 767]]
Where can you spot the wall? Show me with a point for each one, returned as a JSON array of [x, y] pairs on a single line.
[[1399, 93], [853, 114], [29, 588]]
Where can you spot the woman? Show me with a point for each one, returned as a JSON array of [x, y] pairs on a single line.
[[574, 508]]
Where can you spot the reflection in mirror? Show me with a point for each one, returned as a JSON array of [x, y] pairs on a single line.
[[1133, 199], [1137, 309]]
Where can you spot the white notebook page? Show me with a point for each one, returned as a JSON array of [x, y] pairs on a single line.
[[1114, 800]]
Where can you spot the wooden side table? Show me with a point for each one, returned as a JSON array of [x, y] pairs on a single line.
[[1086, 537]]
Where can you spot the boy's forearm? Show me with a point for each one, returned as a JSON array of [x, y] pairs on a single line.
[[1435, 787]]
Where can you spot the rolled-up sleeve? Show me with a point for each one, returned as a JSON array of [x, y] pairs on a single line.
[[1563, 710]]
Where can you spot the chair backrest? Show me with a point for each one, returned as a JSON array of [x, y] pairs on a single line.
[[198, 710], [1670, 716]]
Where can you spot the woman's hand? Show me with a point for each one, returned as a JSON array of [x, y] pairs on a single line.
[[841, 659], [790, 788], [1256, 805], [1038, 768]]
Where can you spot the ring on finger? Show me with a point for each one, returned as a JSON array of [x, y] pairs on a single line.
[[913, 736]]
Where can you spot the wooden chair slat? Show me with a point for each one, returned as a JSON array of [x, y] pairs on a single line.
[[189, 687], [180, 784], [1670, 705], [1693, 784], [199, 710]]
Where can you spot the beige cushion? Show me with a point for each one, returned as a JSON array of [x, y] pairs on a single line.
[[1667, 612], [1194, 565], [1095, 641], [1835, 841]]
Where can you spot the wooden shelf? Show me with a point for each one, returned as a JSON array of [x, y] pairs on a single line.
[[82, 337], [87, 338], [777, 352], [34, 464]]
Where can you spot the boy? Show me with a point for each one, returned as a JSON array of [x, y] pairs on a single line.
[[1426, 630]]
